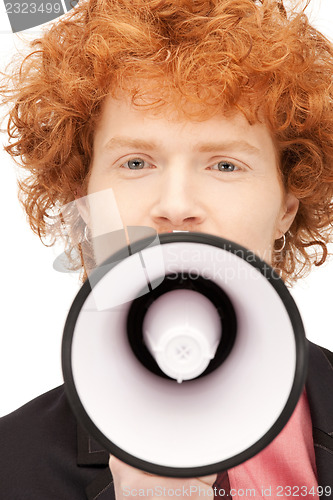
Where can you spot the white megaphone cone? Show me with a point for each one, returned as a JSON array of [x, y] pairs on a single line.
[[186, 357]]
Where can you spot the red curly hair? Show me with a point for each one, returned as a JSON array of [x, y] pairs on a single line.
[[218, 55]]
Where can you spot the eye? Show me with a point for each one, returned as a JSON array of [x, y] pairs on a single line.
[[135, 164], [225, 166]]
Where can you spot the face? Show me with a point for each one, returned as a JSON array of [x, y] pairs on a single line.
[[219, 176]]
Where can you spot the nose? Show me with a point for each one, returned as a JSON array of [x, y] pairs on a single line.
[[177, 202]]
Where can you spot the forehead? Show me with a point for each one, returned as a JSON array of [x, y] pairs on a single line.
[[122, 118]]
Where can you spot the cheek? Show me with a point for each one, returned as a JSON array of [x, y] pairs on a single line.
[[253, 222], [133, 207], [265, 233], [104, 213], [137, 197], [112, 201]]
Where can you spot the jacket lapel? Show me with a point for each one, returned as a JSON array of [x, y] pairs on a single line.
[[91, 454]]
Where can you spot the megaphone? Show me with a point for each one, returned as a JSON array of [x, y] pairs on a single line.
[[186, 357]]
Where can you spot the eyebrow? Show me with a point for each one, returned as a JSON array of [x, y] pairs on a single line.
[[208, 147]]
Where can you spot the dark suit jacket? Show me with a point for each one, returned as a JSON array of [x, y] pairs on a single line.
[[45, 455]]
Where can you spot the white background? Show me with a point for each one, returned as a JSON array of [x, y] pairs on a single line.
[[35, 299]]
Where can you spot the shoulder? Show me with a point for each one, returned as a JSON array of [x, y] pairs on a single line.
[[328, 354], [319, 355], [319, 390], [319, 387], [38, 448], [41, 418]]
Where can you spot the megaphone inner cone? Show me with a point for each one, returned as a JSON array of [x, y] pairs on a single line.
[[183, 329]]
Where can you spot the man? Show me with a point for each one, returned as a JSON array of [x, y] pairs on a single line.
[[208, 116]]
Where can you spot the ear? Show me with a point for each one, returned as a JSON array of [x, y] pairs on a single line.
[[288, 214]]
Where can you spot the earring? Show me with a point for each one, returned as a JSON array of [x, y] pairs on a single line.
[[85, 233], [283, 244]]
